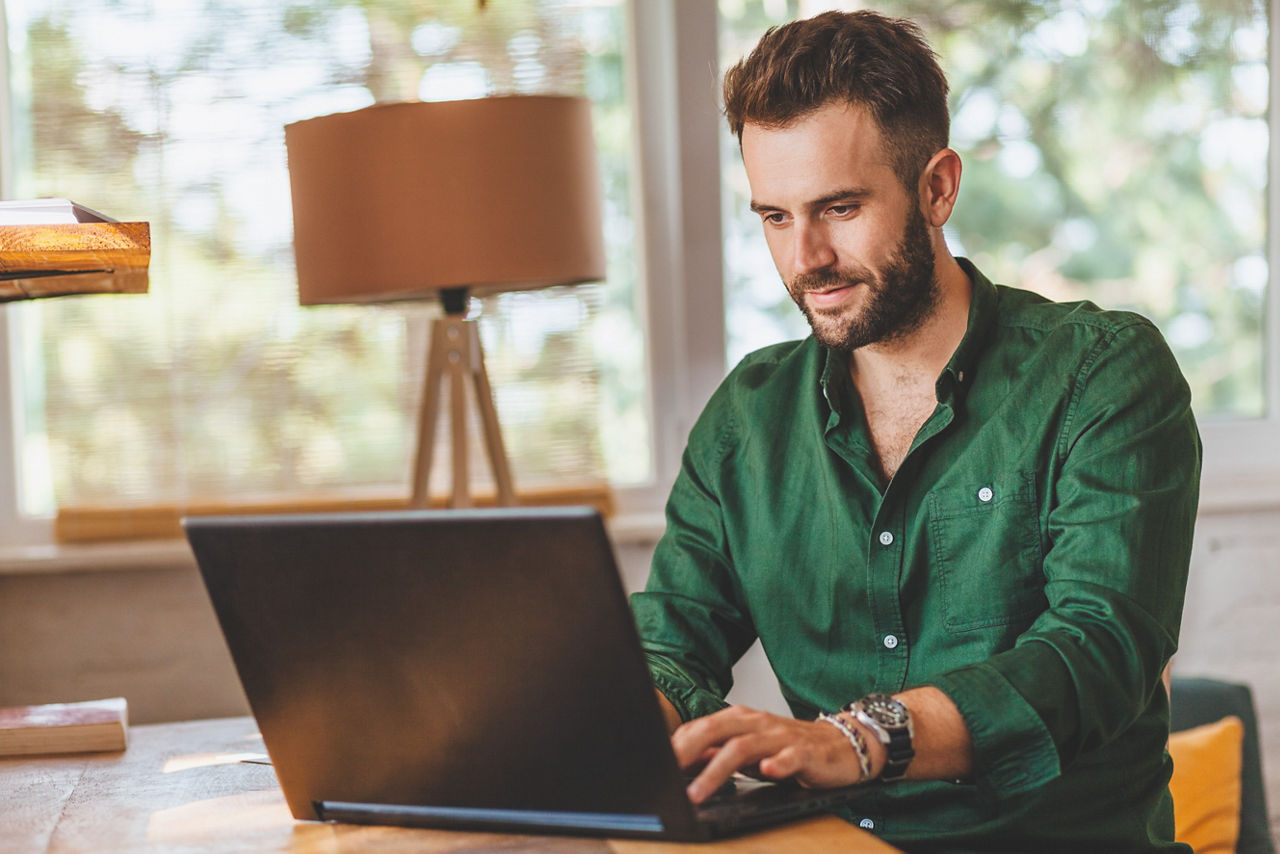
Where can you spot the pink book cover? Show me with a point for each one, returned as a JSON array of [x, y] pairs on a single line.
[[64, 727]]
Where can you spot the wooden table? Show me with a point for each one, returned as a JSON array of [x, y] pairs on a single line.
[[184, 787]]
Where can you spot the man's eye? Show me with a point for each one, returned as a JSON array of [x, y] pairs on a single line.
[[774, 218], [842, 210]]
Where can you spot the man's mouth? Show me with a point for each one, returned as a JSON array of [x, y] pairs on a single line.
[[827, 297]]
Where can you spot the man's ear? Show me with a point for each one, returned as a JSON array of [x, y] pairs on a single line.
[[939, 186]]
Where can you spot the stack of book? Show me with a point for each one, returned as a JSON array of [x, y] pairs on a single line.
[[90, 727], [55, 247]]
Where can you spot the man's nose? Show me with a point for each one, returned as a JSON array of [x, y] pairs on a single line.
[[813, 250]]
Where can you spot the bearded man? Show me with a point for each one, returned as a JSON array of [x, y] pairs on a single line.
[[958, 516]]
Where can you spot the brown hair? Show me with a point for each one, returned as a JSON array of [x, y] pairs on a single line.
[[882, 64]]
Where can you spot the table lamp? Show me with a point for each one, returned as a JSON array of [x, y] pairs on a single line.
[[443, 200]]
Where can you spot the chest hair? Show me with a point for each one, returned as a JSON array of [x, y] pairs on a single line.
[[895, 414]]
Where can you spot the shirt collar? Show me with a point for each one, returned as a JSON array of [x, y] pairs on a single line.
[[834, 380], [958, 373]]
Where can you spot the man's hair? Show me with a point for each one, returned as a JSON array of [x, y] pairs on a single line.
[[882, 64]]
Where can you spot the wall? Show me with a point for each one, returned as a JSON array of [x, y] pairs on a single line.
[[1229, 624], [148, 633]]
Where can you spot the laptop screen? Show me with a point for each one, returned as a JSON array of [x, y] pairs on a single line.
[[480, 659]]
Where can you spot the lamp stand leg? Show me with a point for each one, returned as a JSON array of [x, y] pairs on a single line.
[[456, 354], [428, 411], [455, 349], [489, 420]]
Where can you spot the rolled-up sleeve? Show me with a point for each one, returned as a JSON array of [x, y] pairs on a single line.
[[691, 616]]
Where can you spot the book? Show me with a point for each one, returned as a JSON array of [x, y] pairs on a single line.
[[88, 727], [56, 247], [47, 212]]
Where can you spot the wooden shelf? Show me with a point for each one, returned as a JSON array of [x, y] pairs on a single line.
[[38, 261]]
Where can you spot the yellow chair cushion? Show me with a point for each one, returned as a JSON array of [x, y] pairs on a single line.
[[1206, 785]]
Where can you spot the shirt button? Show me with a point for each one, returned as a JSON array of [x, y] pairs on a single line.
[[867, 824], [890, 641], [985, 494], [960, 376], [886, 538]]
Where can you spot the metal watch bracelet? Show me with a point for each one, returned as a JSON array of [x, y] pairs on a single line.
[[890, 720]]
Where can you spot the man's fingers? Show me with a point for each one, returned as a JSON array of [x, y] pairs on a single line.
[[787, 762], [693, 739], [736, 739], [739, 752], [699, 762]]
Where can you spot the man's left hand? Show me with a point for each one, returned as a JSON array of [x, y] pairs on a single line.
[[815, 754]]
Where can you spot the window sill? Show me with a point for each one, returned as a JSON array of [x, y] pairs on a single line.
[[164, 521], [96, 557], [1224, 493], [638, 529]]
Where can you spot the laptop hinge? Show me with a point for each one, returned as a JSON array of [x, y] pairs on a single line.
[[475, 817]]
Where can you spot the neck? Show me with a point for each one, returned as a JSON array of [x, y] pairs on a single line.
[[924, 352]]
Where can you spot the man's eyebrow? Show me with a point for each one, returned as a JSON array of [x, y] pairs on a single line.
[[842, 195], [847, 194]]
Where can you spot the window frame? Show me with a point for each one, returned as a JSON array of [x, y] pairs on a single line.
[[672, 84], [15, 529]]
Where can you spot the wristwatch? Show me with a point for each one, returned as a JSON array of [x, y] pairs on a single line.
[[891, 722]]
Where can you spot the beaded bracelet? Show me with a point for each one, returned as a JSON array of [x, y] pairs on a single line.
[[855, 738]]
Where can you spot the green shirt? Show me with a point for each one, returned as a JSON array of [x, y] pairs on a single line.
[[1029, 558]]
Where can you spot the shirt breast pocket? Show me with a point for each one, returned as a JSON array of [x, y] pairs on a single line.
[[986, 552]]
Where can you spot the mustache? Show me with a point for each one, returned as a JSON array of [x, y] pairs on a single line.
[[824, 280]]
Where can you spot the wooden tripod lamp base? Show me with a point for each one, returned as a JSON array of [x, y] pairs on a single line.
[[455, 353]]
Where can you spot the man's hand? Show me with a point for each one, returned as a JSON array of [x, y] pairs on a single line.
[[815, 754]]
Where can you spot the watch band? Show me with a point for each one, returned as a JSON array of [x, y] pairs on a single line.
[[890, 720]]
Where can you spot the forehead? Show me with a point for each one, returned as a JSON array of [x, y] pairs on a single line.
[[837, 146]]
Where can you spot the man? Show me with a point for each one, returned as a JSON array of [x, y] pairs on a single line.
[[962, 496]]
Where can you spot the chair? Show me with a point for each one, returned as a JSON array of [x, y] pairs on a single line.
[[1197, 701]]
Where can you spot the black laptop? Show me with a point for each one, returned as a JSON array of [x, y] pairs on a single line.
[[462, 669]]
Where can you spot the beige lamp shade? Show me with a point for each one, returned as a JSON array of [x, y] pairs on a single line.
[[396, 201]]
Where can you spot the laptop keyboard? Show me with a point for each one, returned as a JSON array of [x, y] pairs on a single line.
[[745, 802]]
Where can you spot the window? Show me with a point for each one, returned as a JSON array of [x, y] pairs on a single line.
[[216, 384], [660, 342]]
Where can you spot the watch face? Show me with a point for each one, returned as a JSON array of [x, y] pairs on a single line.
[[887, 711]]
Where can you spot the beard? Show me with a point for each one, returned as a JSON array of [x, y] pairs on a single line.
[[900, 297]]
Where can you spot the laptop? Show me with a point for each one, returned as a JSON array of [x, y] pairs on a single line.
[[466, 669]]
